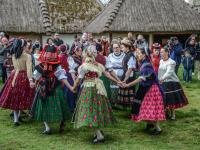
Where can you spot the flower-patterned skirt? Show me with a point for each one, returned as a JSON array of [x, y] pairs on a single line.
[[19, 97], [93, 110]]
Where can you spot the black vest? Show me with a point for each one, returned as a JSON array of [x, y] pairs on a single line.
[[126, 59]]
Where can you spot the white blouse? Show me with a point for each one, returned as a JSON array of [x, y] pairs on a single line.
[[166, 71], [60, 74], [72, 65], [115, 63]]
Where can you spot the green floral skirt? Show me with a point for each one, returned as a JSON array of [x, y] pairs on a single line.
[[93, 110], [51, 109], [106, 83]]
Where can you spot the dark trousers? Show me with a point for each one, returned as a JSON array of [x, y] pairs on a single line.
[[3, 73], [187, 75]]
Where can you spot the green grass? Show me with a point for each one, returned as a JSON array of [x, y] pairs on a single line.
[[184, 133]]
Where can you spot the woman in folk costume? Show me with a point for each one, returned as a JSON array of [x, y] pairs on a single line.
[[174, 95], [49, 103], [93, 107], [148, 104], [155, 56], [18, 92], [126, 96], [75, 61], [100, 58], [64, 60], [115, 67]]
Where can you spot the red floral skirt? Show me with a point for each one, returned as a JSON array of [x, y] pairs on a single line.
[[152, 106], [20, 96]]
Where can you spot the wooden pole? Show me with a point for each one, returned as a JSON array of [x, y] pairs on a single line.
[[110, 36], [151, 40]]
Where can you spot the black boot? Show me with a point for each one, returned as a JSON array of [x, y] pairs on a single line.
[[62, 126], [96, 141], [149, 127], [16, 124], [46, 132], [156, 132]]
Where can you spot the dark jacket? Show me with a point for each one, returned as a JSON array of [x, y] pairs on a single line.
[[2, 57], [192, 50], [176, 53]]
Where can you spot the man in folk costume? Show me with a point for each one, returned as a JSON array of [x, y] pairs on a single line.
[[49, 103]]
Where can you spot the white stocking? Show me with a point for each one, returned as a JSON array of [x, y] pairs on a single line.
[[47, 128], [16, 118], [19, 113], [99, 135], [157, 127]]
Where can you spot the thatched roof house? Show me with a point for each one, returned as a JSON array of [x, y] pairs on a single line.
[[20, 16], [41, 17], [146, 16]]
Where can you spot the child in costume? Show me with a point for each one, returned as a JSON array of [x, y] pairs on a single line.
[[155, 56]]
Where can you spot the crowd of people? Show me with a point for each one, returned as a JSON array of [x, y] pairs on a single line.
[[93, 76]]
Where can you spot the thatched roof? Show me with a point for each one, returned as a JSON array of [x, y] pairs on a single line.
[[20, 16], [146, 16], [70, 15], [40, 16]]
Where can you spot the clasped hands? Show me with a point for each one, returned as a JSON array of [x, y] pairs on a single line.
[[122, 84]]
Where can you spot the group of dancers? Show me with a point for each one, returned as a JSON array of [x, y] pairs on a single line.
[[87, 84]]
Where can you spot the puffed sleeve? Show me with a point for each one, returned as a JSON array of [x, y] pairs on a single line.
[[81, 72], [131, 63], [72, 65], [170, 70], [101, 67], [29, 66], [108, 64], [60, 73]]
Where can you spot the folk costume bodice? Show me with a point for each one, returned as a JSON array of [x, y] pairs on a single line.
[[24, 63], [90, 71]]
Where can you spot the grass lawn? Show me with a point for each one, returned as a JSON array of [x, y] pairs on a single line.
[[184, 133]]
